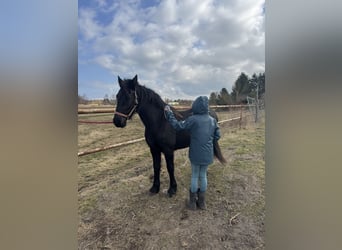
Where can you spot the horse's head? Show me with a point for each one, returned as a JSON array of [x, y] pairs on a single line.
[[126, 101]]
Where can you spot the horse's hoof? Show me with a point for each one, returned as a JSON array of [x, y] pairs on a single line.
[[171, 192], [154, 190]]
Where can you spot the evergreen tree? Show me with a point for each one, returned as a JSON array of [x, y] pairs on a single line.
[[224, 97], [241, 88], [213, 100], [261, 81], [253, 85]]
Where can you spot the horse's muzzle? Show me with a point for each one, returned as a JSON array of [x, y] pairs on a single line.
[[119, 121]]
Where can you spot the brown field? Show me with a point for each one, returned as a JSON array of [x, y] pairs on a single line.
[[117, 212]]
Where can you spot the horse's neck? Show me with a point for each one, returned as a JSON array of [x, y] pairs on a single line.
[[150, 113]]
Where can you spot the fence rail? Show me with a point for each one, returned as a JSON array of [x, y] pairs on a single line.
[[112, 109], [240, 115], [110, 146], [95, 111]]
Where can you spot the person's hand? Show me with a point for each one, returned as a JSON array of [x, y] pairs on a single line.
[[167, 112], [167, 108]]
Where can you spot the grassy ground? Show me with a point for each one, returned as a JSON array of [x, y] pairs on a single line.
[[117, 212]]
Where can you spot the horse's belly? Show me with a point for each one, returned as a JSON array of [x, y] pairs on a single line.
[[182, 140]]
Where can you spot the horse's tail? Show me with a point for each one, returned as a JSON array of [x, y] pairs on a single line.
[[217, 149], [218, 153]]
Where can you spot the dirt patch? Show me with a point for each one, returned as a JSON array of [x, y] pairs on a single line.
[[117, 212]]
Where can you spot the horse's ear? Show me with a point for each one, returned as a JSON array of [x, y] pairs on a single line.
[[135, 82], [120, 81]]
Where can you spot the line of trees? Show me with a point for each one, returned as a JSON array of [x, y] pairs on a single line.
[[105, 101], [83, 99], [244, 86]]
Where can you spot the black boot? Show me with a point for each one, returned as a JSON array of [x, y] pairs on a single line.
[[201, 200], [192, 201]]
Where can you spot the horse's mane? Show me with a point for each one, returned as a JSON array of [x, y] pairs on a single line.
[[149, 96]]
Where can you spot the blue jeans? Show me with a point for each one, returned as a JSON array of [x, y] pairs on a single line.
[[198, 173]]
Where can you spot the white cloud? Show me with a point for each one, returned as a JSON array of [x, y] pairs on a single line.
[[87, 25], [177, 45], [101, 3]]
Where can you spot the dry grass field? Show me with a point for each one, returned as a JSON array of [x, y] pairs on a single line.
[[117, 212]]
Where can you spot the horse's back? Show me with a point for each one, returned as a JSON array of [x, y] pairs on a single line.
[[183, 136], [186, 113]]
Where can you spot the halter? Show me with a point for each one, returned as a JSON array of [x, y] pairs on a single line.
[[129, 116]]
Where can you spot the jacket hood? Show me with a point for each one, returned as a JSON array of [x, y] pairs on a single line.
[[200, 105]]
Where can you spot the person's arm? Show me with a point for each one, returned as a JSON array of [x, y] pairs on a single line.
[[177, 125]]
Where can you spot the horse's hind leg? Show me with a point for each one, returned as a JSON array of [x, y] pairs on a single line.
[[156, 156], [170, 168]]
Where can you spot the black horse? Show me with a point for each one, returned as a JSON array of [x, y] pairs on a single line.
[[159, 134]]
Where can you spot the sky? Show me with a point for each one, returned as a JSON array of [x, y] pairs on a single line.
[[180, 49]]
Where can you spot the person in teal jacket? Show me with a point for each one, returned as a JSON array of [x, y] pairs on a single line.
[[204, 130]]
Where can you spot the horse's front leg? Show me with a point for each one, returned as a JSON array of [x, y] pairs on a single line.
[[170, 168], [156, 156]]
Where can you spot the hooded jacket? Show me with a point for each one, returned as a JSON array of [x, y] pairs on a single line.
[[203, 131]]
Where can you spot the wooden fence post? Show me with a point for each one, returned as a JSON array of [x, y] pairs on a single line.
[[240, 116]]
